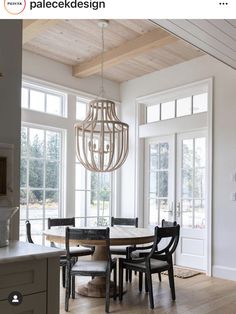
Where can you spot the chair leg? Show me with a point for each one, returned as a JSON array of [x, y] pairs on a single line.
[[140, 282], [159, 275], [107, 292], [73, 287], [146, 284], [63, 276], [130, 275], [126, 275], [149, 283], [171, 282], [120, 280], [115, 282], [67, 292]]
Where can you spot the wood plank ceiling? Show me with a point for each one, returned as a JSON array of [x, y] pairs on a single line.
[[132, 47], [215, 37]]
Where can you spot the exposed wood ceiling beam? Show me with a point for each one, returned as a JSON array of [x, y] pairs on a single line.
[[32, 28], [154, 39]]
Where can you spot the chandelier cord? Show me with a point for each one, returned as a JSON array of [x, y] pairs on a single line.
[[102, 67]]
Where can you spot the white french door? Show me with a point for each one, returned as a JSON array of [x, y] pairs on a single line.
[[175, 189], [159, 169], [191, 199]]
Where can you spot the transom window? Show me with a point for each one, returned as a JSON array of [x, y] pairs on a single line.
[[43, 100], [177, 108]]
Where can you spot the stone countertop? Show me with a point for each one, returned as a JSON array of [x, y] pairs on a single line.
[[20, 251]]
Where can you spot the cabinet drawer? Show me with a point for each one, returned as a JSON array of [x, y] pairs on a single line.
[[31, 304], [26, 277]]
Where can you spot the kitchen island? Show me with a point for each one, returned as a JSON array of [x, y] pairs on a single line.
[[29, 279]]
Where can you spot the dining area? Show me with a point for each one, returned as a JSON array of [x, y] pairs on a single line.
[[111, 257]]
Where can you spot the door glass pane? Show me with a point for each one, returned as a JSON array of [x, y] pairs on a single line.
[[154, 156], [187, 213], [154, 162], [193, 184], [163, 184], [164, 210], [199, 183], [187, 183], [158, 181], [164, 150], [168, 110], [187, 153], [199, 214], [153, 211], [200, 152], [153, 185]]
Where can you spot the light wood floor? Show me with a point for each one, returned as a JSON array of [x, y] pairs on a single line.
[[196, 295]]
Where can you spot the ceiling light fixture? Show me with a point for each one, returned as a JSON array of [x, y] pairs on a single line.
[[102, 140]]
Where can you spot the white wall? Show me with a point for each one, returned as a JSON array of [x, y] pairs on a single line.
[[10, 89], [224, 153], [57, 73]]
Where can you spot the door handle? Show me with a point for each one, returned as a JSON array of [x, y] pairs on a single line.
[[178, 209]]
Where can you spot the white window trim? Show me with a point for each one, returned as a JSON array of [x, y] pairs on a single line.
[[139, 150], [50, 121]]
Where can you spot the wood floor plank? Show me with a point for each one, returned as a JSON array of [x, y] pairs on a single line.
[[196, 295]]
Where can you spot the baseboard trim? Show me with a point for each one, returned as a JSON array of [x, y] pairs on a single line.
[[224, 272]]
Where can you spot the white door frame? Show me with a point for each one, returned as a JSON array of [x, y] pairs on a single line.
[[140, 151]]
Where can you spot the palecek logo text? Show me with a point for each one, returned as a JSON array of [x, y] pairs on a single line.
[[14, 6], [67, 4]]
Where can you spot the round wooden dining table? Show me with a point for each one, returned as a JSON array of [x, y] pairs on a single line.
[[118, 236]]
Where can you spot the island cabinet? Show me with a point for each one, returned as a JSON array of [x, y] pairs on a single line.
[[29, 279]]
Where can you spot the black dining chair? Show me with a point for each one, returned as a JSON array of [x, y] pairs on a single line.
[[77, 251], [122, 249], [145, 250], [89, 267], [156, 261]]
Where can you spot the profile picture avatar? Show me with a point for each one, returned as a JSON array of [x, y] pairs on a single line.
[[14, 6]]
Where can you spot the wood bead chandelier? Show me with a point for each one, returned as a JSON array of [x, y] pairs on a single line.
[[102, 140]]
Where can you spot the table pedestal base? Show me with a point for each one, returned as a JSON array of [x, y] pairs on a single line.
[[96, 288]]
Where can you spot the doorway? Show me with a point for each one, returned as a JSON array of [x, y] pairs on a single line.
[[175, 181]]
